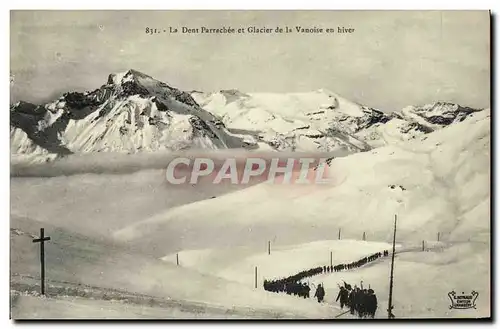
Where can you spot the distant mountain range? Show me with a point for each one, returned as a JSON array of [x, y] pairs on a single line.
[[134, 112]]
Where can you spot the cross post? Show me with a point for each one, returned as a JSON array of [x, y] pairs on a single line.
[[41, 240]]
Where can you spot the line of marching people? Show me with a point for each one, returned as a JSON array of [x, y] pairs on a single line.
[[362, 302], [361, 262], [292, 286]]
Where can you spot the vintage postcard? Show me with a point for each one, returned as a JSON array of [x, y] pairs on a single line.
[[250, 165]]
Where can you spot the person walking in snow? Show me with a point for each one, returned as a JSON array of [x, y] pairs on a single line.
[[350, 299], [306, 290], [371, 303], [362, 303], [343, 297], [354, 300], [320, 293]]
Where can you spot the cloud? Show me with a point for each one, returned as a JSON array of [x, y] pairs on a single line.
[[118, 163]]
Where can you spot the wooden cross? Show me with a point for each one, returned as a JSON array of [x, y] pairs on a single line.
[[42, 239]]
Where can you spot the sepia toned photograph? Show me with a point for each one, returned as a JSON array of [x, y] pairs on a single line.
[[250, 165]]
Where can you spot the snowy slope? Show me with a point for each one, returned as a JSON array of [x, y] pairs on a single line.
[[324, 120], [132, 112], [422, 281], [437, 184], [77, 262], [27, 307], [236, 263], [443, 267]]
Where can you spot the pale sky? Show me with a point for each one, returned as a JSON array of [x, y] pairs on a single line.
[[393, 58]]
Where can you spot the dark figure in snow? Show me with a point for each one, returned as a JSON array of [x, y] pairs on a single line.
[[350, 299], [306, 290], [343, 296], [371, 307], [362, 303], [354, 300], [320, 293]]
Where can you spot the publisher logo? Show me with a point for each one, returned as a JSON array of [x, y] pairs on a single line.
[[463, 301]]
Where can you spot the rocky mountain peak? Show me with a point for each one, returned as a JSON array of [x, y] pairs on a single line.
[[127, 76]]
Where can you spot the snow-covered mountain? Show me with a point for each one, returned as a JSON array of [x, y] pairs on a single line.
[[324, 120], [132, 112]]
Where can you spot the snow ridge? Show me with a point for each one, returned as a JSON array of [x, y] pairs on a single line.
[[323, 120]]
